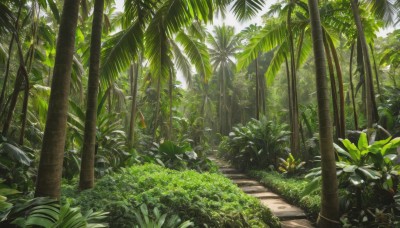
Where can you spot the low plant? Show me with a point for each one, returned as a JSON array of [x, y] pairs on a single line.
[[291, 166], [176, 156], [369, 173], [158, 220], [208, 200], [257, 144], [45, 212]]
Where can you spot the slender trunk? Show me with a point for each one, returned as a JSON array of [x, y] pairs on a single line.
[[170, 104], [262, 90], [375, 70], [289, 85], [342, 117], [7, 72], [295, 149], [257, 92], [353, 99], [333, 88], [329, 214], [86, 178], [51, 158], [24, 110], [22, 76], [371, 110], [157, 107], [220, 106], [134, 85]]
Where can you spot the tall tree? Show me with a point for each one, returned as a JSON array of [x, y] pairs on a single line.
[[52, 154], [223, 47], [86, 179], [329, 214], [371, 110]]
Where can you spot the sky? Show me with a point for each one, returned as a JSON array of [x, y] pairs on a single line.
[[231, 20]]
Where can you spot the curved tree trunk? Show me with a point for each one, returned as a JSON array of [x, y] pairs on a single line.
[[342, 117], [371, 110], [51, 158], [134, 84], [353, 99], [333, 88], [86, 178], [329, 214]]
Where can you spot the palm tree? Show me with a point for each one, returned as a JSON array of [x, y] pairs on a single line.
[[86, 179], [329, 214], [223, 48], [51, 157], [371, 110]]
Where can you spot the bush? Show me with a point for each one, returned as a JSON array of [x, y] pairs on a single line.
[[256, 145], [291, 189], [208, 200]]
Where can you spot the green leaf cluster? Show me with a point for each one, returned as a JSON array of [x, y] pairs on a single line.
[[206, 199]]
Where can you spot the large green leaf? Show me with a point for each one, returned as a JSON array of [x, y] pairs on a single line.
[[15, 153]]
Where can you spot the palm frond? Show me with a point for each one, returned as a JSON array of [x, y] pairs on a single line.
[[246, 9], [6, 18], [276, 62], [119, 51], [268, 38], [197, 53], [181, 62]]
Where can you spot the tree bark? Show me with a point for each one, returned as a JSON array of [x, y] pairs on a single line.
[[257, 92], [329, 214], [52, 154], [295, 134], [371, 110], [342, 117], [134, 84], [353, 99], [333, 87], [86, 178]]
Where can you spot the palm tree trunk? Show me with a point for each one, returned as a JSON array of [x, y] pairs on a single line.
[[157, 108], [22, 76], [295, 139], [329, 214], [289, 85], [353, 100], [170, 103], [257, 92], [48, 181], [7, 72], [342, 117], [375, 70], [134, 85], [371, 110], [333, 88], [86, 178]]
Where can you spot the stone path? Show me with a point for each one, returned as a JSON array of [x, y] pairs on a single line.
[[289, 215]]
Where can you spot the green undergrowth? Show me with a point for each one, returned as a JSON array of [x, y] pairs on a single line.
[[208, 200], [290, 189]]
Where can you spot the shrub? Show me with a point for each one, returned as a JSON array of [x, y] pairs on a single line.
[[255, 145], [291, 189], [208, 200]]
